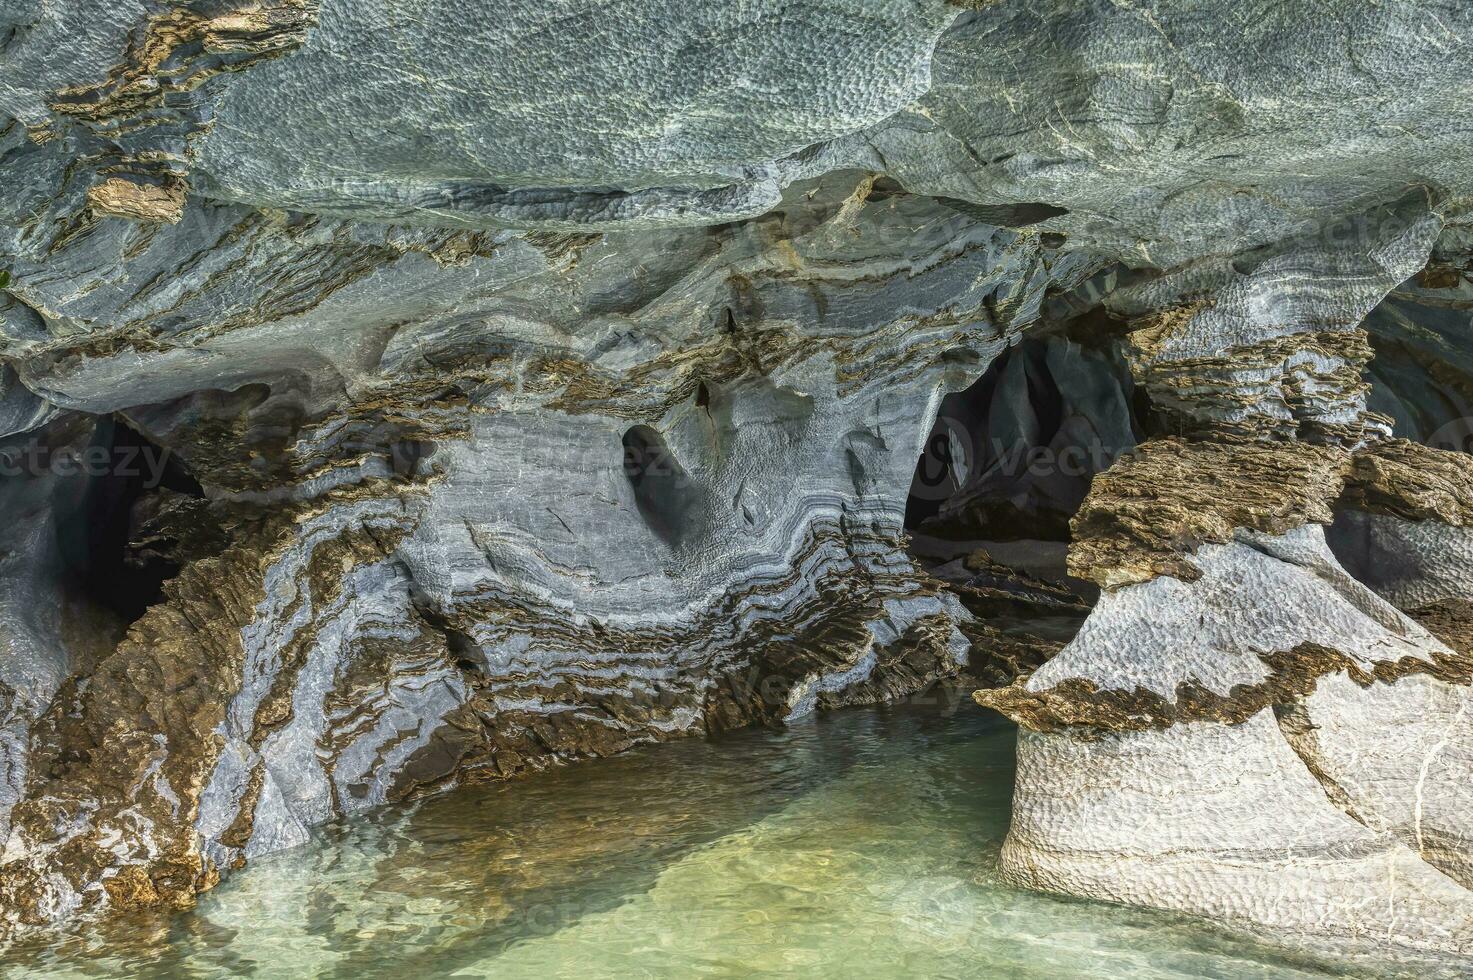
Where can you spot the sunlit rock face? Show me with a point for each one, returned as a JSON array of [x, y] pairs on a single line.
[[397, 397]]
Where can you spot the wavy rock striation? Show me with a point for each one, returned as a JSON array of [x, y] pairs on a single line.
[[396, 398], [550, 511]]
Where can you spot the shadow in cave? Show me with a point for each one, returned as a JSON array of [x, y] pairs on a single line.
[[1004, 468], [1421, 378], [663, 492], [1010, 459], [124, 470], [1421, 373]]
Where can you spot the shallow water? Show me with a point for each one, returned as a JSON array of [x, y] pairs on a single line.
[[862, 843]]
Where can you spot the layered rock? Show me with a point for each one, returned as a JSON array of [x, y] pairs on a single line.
[[543, 510], [546, 379], [1243, 729], [1270, 342]]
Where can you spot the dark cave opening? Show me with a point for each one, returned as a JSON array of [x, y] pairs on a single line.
[[1421, 373], [1011, 457], [124, 472], [661, 486], [1004, 468], [1421, 379]]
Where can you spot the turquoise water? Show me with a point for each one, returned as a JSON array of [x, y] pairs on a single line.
[[861, 843]]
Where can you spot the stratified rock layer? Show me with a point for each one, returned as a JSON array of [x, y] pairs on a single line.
[[600, 510], [517, 383], [1297, 740]]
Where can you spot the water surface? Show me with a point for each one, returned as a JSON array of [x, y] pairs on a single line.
[[861, 843]]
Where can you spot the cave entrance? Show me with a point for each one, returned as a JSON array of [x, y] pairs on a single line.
[[123, 475], [1421, 373], [1421, 377], [1010, 459], [1006, 465]]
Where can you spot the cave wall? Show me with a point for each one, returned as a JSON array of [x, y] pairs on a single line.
[[541, 379], [560, 507]]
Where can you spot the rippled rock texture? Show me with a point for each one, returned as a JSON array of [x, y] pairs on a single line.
[[397, 396]]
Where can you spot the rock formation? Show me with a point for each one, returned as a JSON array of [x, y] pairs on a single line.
[[397, 396]]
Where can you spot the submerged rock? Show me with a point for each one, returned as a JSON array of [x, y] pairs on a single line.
[[391, 400]]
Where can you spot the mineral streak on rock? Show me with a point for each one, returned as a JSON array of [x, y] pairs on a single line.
[[119, 197], [148, 112], [1076, 703], [1149, 513], [528, 381]]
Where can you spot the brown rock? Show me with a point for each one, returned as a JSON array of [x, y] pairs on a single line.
[[1414, 482], [1154, 507], [137, 200]]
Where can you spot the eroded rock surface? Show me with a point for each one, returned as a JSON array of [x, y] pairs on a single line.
[[1229, 630], [501, 385]]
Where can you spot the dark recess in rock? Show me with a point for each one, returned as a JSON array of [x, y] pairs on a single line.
[[1006, 215], [96, 548], [662, 489], [1013, 455]]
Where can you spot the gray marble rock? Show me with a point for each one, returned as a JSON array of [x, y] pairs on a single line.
[[494, 501], [533, 380], [1223, 821], [1332, 809]]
